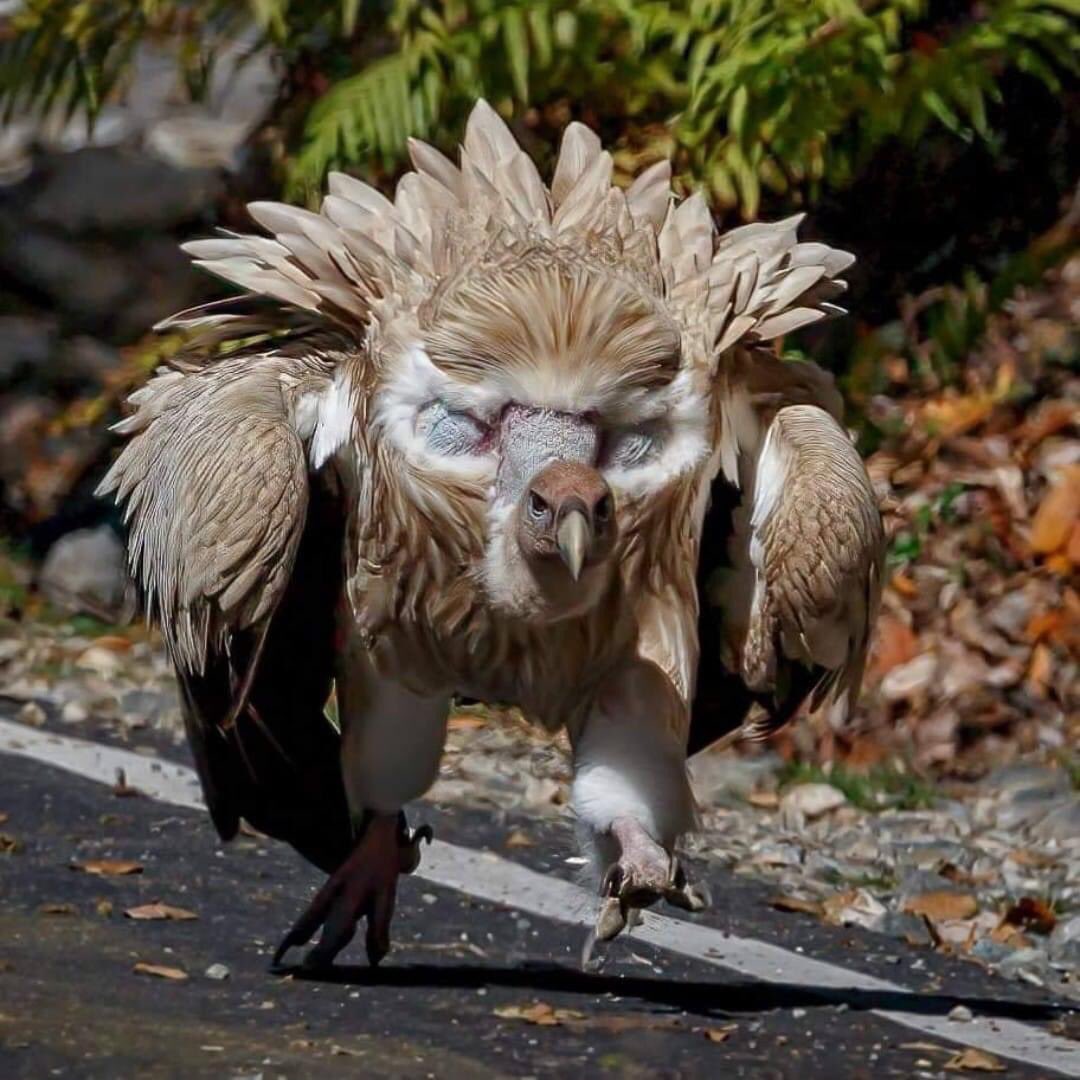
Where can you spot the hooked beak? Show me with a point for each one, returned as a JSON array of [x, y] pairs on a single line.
[[573, 537]]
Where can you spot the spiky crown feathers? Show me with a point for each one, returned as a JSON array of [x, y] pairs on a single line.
[[363, 259]]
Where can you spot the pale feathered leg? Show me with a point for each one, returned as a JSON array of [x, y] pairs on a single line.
[[632, 793], [392, 741]]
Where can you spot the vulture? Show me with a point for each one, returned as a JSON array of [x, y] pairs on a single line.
[[507, 440]]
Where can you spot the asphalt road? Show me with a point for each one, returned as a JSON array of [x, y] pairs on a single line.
[[448, 1000]]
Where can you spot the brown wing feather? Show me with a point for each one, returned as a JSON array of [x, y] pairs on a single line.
[[239, 553], [790, 566]]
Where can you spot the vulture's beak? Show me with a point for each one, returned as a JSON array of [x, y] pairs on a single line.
[[573, 537]]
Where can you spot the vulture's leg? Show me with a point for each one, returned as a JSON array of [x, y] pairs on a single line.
[[392, 741], [632, 791]]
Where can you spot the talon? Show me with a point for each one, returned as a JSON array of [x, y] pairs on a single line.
[[409, 847], [364, 886], [612, 919]]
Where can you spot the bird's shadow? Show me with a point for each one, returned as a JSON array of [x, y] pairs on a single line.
[[697, 997]]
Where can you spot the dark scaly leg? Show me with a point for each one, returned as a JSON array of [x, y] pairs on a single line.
[[364, 886]]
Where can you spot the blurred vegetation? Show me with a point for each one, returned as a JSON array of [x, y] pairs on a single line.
[[781, 97]]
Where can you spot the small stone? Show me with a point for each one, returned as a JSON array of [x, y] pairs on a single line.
[[902, 927], [911, 679], [1060, 824], [217, 972], [73, 713], [961, 1014], [808, 801], [85, 570], [31, 713]]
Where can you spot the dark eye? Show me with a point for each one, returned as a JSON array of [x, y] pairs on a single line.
[[602, 511], [538, 507]]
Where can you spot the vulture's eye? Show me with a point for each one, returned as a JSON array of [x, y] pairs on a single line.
[[537, 506], [452, 433], [625, 448]]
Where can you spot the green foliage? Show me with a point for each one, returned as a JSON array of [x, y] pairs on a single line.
[[881, 788], [777, 95]]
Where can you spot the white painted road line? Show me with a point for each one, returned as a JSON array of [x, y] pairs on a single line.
[[489, 877]]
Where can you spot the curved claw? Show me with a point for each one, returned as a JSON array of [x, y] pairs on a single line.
[[409, 847], [364, 886], [627, 888]]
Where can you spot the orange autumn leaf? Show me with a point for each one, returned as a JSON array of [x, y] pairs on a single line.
[[941, 904], [1032, 913], [109, 867], [1072, 549], [1058, 512], [160, 971], [158, 911], [896, 644]]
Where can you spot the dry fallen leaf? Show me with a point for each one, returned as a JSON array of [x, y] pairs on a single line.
[[797, 904], [720, 1034], [1057, 513], [764, 800], [109, 867], [57, 909], [972, 1060], [541, 1014], [1032, 913], [158, 910], [113, 642], [160, 971], [940, 904], [896, 644], [10, 845], [518, 838]]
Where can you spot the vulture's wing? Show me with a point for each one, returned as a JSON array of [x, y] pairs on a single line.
[[237, 542], [792, 553]]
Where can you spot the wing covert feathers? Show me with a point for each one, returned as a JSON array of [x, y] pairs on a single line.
[[806, 552], [214, 485]]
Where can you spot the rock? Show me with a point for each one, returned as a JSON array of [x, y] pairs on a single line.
[[1012, 780], [85, 281], [911, 679], [931, 853], [217, 972], [108, 287], [855, 908], [74, 713], [989, 951], [961, 1014], [903, 927], [1027, 807], [106, 189], [1025, 964], [1060, 824], [85, 571], [769, 853], [26, 345], [804, 802], [727, 779], [31, 713]]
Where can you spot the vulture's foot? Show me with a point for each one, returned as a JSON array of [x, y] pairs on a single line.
[[644, 873], [365, 885]]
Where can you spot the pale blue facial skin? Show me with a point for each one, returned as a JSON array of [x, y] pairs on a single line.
[[527, 439]]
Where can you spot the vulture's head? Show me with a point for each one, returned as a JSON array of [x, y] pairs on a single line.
[[557, 387], [534, 361]]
